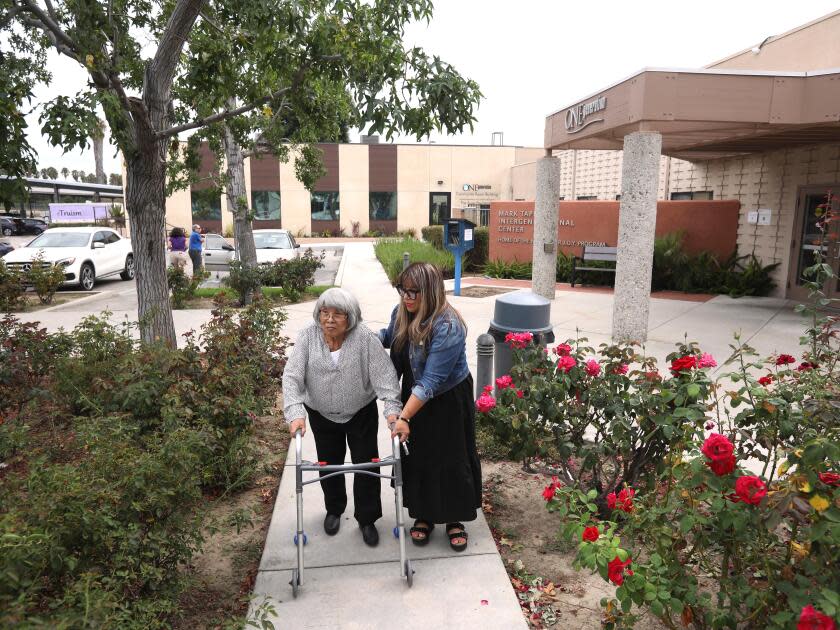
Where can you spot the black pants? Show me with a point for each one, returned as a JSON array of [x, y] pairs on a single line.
[[196, 259], [331, 440]]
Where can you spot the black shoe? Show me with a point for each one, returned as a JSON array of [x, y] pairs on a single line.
[[331, 524], [370, 535]]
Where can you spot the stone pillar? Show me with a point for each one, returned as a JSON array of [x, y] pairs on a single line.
[[636, 228], [546, 212]]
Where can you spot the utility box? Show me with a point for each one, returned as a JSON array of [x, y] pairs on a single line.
[[458, 238]]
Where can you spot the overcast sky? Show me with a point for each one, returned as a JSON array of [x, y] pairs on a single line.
[[532, 57]]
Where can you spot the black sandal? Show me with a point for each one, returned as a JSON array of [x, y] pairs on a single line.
[[426, 531], [460, 532]]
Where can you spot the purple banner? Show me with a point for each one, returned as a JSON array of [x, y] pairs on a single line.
[[78, 212]]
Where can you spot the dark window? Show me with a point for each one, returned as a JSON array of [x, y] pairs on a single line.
[[587, 197], [266, 205], [697, 195], [206, 205], [618, 197], [383, 206], [112, 237], [100, 237], [439, 208], [325, 206]]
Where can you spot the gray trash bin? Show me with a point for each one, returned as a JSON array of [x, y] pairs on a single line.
[[522, 311]]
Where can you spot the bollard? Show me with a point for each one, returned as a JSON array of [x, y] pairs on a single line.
[[485, 346], [405, 260]]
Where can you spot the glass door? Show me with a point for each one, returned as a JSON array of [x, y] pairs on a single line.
[[812, 235], [440, 207]]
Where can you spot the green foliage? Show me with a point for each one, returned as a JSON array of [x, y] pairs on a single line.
[[389, 252], [11, 288], [45, 277], [502, 269], [182, 286], [109, 447], [476, 258], [295, 275], [433, 234], [244, 279]]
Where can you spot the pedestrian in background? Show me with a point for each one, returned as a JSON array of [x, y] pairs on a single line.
[[196, 240], [177, 246]]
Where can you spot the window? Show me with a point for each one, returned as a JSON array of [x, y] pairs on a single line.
[[439, 208], [587, 197], [206, 205], [266, 205], [213, 241], [324, 206], [618, 197], [100, 237], [383, 206], [272, 240], [111, 237], [692, 196]]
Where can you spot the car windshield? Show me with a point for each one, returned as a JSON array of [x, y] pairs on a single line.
[[61, 239], [272, 240]]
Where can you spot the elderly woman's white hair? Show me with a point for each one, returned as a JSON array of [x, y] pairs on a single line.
[[341, 300]]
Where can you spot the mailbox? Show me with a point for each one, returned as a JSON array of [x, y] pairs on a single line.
[[458, 238]]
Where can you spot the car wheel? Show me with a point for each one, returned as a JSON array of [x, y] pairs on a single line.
[[128, 272], [87, 277], [7, 231]]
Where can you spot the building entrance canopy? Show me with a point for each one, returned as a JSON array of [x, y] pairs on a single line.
[[705, 114]]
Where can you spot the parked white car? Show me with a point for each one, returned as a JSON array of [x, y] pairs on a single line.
[[217, 252], [274, 245], [87, 254]]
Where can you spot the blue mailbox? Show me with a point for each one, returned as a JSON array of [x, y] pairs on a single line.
[[458, 238]]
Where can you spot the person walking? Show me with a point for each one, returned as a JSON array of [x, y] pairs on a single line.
[[177, 246], [196, 240], [336, 371], [442, 472]]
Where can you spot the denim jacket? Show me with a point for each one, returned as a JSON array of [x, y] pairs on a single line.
[[442, 364]]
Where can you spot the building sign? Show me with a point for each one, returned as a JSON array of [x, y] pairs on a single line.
[[474, 195], [78, 212], [579, 116], [595, 223]]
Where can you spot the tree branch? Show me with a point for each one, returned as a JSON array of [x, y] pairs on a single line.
[[162, 67], [50, 25]]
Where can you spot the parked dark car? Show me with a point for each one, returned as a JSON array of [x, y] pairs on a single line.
[[34, 226], [8, 226], [5, 248]]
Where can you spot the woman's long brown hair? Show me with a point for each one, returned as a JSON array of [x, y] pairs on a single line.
[[427, 279]]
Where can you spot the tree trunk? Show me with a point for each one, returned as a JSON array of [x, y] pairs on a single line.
[[237, 201], [98, 138], [146, 200]]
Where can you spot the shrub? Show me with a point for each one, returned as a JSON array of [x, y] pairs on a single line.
[[433, 235], [244, 279], [182, 286], [502, 269], [390, 255], [45, 278], [293, 275], [11, 288]]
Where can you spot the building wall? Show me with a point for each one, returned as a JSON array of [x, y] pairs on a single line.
[[812, 46], [295, 208], [353, 186]]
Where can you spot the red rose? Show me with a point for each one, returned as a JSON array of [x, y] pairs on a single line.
[[785, 359], [504, 382], [812, 619], [566, 363], [623, 501], [592, 367], [621, 369], [750, 489], [562, 349], [683, 364], [830, 478], [720, 451], [615, 570], [653, 376], [548, 491], [765, 380], [591, 534], [518, 340], [485, 403], [519, 393], [805, 366], [611, 500]]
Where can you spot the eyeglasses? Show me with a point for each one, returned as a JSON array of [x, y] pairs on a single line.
[[411, 294], [336, 317]]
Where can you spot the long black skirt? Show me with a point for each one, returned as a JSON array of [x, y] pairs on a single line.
[[442, 472]]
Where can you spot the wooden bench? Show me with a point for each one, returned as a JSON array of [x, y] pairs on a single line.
[[591, 252]]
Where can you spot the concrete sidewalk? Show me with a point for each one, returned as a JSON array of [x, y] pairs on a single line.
[[347, 585]]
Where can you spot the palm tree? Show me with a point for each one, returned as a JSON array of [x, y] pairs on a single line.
[[75, 175], [65, 172]]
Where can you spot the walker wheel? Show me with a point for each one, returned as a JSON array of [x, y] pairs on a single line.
[[409, 573], [396, 532], [305, 539], [295, 582]]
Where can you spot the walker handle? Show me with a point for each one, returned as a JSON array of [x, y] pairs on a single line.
[[298, 447]]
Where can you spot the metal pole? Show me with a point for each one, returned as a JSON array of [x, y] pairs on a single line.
[[458, 275], [406, 260], [484, 371]]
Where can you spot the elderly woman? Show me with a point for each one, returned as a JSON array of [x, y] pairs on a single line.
[[337, 370]]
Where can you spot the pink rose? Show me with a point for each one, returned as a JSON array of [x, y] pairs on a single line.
[[485, 403], [566, 362], [519, 340], [593, 368], [503, 382], [707, 361], [621, 369]]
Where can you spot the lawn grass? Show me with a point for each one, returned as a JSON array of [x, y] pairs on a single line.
[[389, 252]]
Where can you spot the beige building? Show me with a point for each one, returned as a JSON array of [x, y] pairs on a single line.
[[761, 126]]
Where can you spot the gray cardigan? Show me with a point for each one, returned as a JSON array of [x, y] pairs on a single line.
[[364, 372]]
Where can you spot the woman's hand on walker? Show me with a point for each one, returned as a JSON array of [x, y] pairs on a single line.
[[294, 425], [400, 427]]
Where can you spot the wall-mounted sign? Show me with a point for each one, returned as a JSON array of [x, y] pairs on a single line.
[[476, 187], [579, 116]]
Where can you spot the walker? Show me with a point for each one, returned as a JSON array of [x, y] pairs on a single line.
[[340, 469]]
